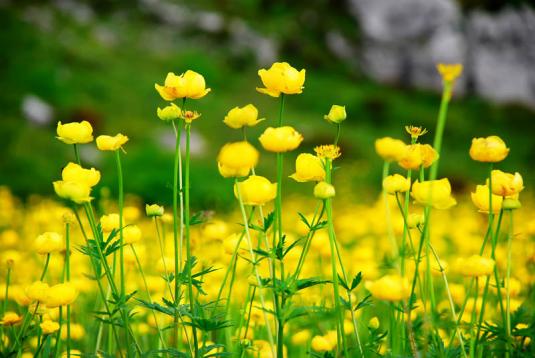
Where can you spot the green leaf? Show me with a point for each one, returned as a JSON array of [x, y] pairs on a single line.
[[366, 301], [356, 281], [309, 282]]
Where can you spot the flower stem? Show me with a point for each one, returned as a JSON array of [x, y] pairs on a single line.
[[68, 279], [508, 283], [388, 216]]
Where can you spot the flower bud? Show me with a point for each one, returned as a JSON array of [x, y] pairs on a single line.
[[308, 167], [511, 204], [390, 149], [336, 115], [111, 143], [255, 190], [169, 113], [396, 183], [75, 132], [245, 116], [490, 150], [154, 210], [280, 139], [324, 190]]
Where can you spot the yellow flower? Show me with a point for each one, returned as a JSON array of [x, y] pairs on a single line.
[[390, 149], [281, 78], [414, 220], [169, 113], [75, 173], [131, 234], [324, 190], [75, 191], [506, 184], [322, 344], [190, 116], [256, 190], [308, 167], [237, 159], [301, 337], [450, 72], [435, 193], [475, 266], [61, 294], [415, 132], [109, 222], [280, 139], [188, 85], [390, 288], [336, 115], [75, 132], [374, 322], [10, 319], [396, 183], [10, 258], [418, 155], [48, 243], [245, 116], [490, 150], [480, 198], [329, 151], [154, 210], [37, 291], [77, 332], [106, 142], [49, 327]]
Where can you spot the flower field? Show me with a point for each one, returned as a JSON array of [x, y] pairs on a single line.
[[424, 271]]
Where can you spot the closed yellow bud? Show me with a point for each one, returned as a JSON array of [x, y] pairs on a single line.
[[390, 149], [324, 190], [308, 167], [154, 210], [449, 72], [506, 184], [337, 114], [480, 198], [390, 288], [37, 291], [131, 234], [109, 222], [245, 116], [188, 85], [475, 266], [61, 295], [280, 139], [490, 150], [75, 132], [49, 327], [237, 159], [75, 191], [396, 183], [301, 337], [169, 113], [281, 78], [374, 322], [48, 243], [256, 190], [321, 344], [435, 193], [75, 173], [112, 143]]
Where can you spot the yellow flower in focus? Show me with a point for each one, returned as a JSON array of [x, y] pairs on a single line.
[[396, 183], [390, 288], [75, 132], [245, 116], [506, 184], [48, 243], [109, 222], [188, 85], [329, 151], [435, 193], [10, 319], [281, 78], [475, 266], [154, 210], [37, 291], [324, 191], [489, 150], [280, 139], [336, 115], [418, 155], [449, 72], [390, 149], [237, 159], [169, 113], [256, 190], [480, 198], [75, 191], [308, 167], [112, 143], [49, 327], [75, 173], [60, 295], [415, 132], [131, 234]]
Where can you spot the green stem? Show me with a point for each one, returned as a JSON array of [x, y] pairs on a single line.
[[508, 283], [77, 154], [68, 279], [441, 124], [472, 321], [388, 216]]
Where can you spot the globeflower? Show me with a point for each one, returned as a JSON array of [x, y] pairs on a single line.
[[62, 294], [37, 291], [188, 85], [154, 210], [75, 191], [169, 113], [506, 184], [450, 72], [435, 193], [418, 155], [111, 143], [490, 150], [396, 183], [75, 132], [329, 151], [280, 139], [75, 173], [237, 159], [480, 198], [324, 190], [281, 78], [256, 190], [109, 222], [336, 115], [308, 167], [390, 288], [322, 344], [49, 327], [48, 243], [131, 234], [390, 149], [10, 319], [240, 117], [475, 266]]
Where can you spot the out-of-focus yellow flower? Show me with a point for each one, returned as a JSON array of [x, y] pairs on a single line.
[[337, 114], [396, 183], [415, 132], [435, 193], [281, 78], [77, 332], [490, 150], [374, 322], [239, 117], [506, 184], [256, 190], [450, 72], [188, 85], [237, 159], [112, 143], [49, 327], [10, 258], [413, 220], [390, 149], [321, 344], [49, 242], [169, 113], [280, 139], [475, 266], [75, 132], [480, 198], [75, 173], [390, 288], [511, 203], [418, 155], [131, 234], [61, 294], [37, 291], [10, 319], [154, 210], [308, 167], [109, 222], [324, 190], [329, 151], [75, 191], [301, 337]]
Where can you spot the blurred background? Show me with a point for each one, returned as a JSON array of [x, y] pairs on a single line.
[[66, 60]]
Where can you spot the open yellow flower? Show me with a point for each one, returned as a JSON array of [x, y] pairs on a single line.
[[188, 85], [328, 151], [280, 139], [490, 150], [506, 184], [131, 234], [308, 167], [256, 190], [389, 288], [37, 291], [61, 294], [78, 192], [10, 319], [418, 155], [480, 198], [75, 173], [450, 72], [237, 159], [336, 115], [75, 132], [281, 78], [435, 193], [49, 327], [49, 242], [396, 183], [239, 117], [390, 149], [111, 143]]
